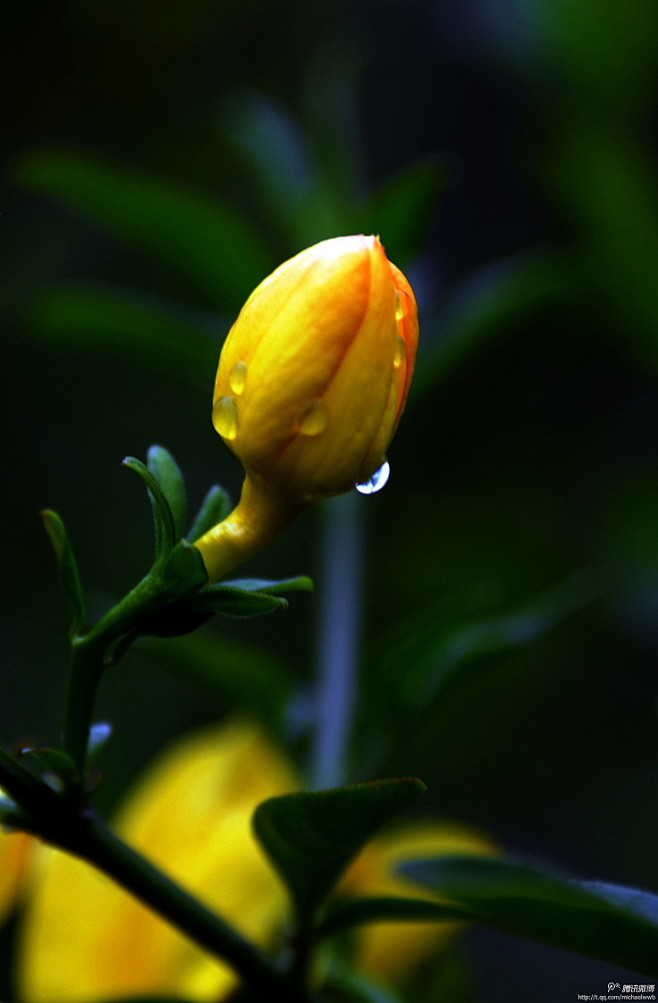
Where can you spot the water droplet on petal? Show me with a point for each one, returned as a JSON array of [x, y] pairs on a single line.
[[238, 377], [377, 481], [401, 304], [400, 351], [225, 418], [315, 419]]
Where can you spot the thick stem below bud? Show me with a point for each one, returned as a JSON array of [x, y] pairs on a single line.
[[257, 519]]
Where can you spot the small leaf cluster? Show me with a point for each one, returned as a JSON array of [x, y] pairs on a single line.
[[173, 598]]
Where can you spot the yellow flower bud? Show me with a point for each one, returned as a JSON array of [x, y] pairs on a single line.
[[312, 381]]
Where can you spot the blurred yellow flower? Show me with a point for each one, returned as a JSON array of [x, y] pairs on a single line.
[[312, 381], [14, 858], [393, 951], [85, 940]]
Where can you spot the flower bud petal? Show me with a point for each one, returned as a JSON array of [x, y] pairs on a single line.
[[312, 378]]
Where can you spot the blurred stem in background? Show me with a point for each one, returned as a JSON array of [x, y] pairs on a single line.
[[340, 572]]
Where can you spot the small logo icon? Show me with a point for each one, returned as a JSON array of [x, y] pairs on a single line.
[[613, 985]]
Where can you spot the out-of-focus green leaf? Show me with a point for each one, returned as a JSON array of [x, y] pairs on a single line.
[[276, 153], [201, 238], [617, 925], [402, 208], [55, 766], [240, 676], [336, 135], [143, 328], [68, 566], [214, 508], [490, 304], [352, 987], [168, 475], [600, 53], [163, 520], [428, 659], [311, 837], [608, 185], [386, 908]]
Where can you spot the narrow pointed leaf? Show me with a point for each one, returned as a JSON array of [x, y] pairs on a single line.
[[490, 304], [68, 566], [271, 587], [617, 925], [402, 208], [162, 336], [163, 520], [168, 475], [201, 238], [427, 661], [215, 507], [311, 837], [235, 602], [356, 912]]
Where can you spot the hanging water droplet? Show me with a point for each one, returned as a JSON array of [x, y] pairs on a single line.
[[400, 351], [225, 417], [377, 481], [401, 304], [238, 377], [315, 419]]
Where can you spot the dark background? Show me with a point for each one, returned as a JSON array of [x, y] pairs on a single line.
[[528, 453]]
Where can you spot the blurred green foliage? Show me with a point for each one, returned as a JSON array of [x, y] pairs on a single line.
[[160, 161]]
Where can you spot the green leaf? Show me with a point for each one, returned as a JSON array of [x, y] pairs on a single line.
[[247, 596], [311, 837], [239, 675], [490, 304], [55, 766], [184, 573], [356, 912], [617, 925], [68, 567], [235, 601], [276, 154], [203, 239], [214, 509], [402, 208], [272, 587], [159, 334], [168, 474], [353, 987], [163, 519], [428, 660]]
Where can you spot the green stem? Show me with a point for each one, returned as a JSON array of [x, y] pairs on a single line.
[[53, 818], [88, 659]]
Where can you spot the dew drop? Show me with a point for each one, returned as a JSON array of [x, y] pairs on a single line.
[[238, 377], [377, 481], [401, 304], [225, 418], [315, 419], [400, 351]]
